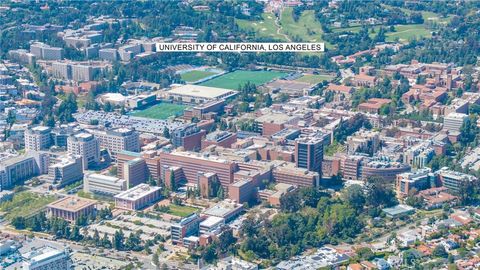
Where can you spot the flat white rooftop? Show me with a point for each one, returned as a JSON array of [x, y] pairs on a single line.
[[211, 221], [137, 192], [201, 91]]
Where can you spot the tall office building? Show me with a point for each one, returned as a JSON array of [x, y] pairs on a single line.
[[86, 146], [309, 153], [135, 172], [66, 170], [37, 138], [189, 137], [118, 140]]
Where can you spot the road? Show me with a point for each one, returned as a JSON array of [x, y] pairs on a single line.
[[279, 27]]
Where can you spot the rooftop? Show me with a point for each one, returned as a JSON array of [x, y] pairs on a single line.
[[201, 91], [137, 192], [211, 221], [398, 209], [223, 208], [71, 203]]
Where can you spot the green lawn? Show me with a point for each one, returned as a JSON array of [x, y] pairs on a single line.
[[234, 79], [314, 79], [406, 32], [263, 28], [24, 204], [403, 32], [195, 75], [181, 210], [161, 111], [307, 28]]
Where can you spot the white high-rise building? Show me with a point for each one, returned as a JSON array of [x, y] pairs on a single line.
[[37, 138], [65, 171], [86, 146]]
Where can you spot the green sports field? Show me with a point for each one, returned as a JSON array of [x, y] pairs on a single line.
[[314, 78], [234, 79], [196, 75], [161, 111]]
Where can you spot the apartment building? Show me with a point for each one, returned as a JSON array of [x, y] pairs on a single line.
[[419, 180], [453, 180], [151, 158], [46, 52]]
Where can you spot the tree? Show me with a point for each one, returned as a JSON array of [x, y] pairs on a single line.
[[439, 251], [379, 193], [355, 197], [118, 240], [310, 196], [133, 242], [268, 100], [67, 108], [290, 202], [18, 223], [108, 107], [166, 133], [75, 234], [172, 181], [106, 243], [49, 120], [365, 253], [96, 238], [410, 256]]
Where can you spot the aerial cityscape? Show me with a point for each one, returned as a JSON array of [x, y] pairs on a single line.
[[320, 134]]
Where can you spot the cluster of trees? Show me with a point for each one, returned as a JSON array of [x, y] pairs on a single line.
[[469, 131], [310, 218], [56, 226], [225, 244], [237, 8], [39, 222], [351, 126]]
